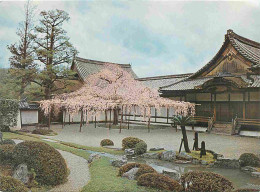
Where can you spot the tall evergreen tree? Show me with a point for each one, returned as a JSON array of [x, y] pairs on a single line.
[[22, 62], [53, 50]]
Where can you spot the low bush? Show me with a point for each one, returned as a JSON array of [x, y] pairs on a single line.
[[247, 190], [4, 128], [205, 182], [143, 168], [7, 142], [6, 153], [42, 131], [140, 148], [9, 184], [249, 159], [158, 181], [48, 164], [106, 142], [130, 142]]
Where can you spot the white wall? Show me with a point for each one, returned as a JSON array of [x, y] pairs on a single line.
[[29, 117]]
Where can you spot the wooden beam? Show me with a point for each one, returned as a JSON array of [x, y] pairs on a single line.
[[120, 130], [244, 105], [81, 120]]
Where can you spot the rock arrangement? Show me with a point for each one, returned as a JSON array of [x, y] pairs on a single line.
[[253, 171]]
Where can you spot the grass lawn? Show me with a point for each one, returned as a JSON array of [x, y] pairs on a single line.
[[208, 157], [103, 176]]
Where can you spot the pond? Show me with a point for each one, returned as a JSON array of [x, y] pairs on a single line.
[[239, 178]]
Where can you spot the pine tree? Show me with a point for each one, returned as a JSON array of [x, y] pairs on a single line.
[[53, 50], [22, 62]]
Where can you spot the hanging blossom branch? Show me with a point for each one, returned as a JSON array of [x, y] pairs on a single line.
[[114, 88]]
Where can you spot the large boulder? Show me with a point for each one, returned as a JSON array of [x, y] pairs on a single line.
[[227, 163], [172, 174], [119, 162], [93, 156], [150, 155], [131, 174], [168, 155], [21, 173], [183, 155]]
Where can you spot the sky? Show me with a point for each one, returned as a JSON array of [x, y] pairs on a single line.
[[155, 37]]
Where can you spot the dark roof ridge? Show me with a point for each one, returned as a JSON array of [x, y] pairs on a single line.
[[164, 77], [99, 62], [231, 34]]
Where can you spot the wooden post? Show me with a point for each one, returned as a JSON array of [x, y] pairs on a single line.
[[50, 120], [95, 121], [215, 110], [63, 117], [81, 120], [155, 114], [128, 120], [196, 141], [110, 120], [202, 149], [121, 120], [105, 117], [167, 115], [69, 119], [244, 105], [149, 125]]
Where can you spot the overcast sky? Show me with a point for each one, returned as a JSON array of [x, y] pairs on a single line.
[[155, 37]]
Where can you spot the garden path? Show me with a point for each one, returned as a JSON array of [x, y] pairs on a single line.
[[79, 173]]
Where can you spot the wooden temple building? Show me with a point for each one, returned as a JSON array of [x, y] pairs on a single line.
[[227, 88]]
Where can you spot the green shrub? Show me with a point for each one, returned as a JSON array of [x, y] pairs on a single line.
[[9, 184], [140, 148], [4, 128], [249, 159], [6, 153], [7, 142], [130, 142], [247, 190], [143, 168], [158, 181], [42, 131], [106, 142], [48, 164], [205, 182]]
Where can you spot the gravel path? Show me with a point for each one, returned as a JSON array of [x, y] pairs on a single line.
[[79, 173], [229, 146]]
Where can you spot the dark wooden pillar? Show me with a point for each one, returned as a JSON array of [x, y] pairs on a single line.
[[167, 115], [215, 108], [121, 120], [81, 117], [155, 114], [244, 105], [229, 108], [110, 119], [49, 120]]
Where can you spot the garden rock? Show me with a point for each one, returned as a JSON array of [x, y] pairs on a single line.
[[129, 151], [184, 155], [131, 173], [21, 173], [255, 174], [203, 162], [195, 161], [168, 155], [182, 162], [93, 156], [150, 155], [119, 162], [227, 163], [157, 149], [248, 169], [172, 174]]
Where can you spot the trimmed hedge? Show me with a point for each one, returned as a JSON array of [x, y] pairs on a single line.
[[140, 148], [42, 131], [6, 153], [143, 168], [48, 164], [106, 142], [205, 182], [249, 159], [9, 184], [4, 128], [130, 142], [247, 190], [7, 142], [158, 181]]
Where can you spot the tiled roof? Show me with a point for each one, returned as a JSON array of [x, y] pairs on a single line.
[[249, 49], [86, 67], [161, 81], [23, 104], [256, 82], [187, 84]]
